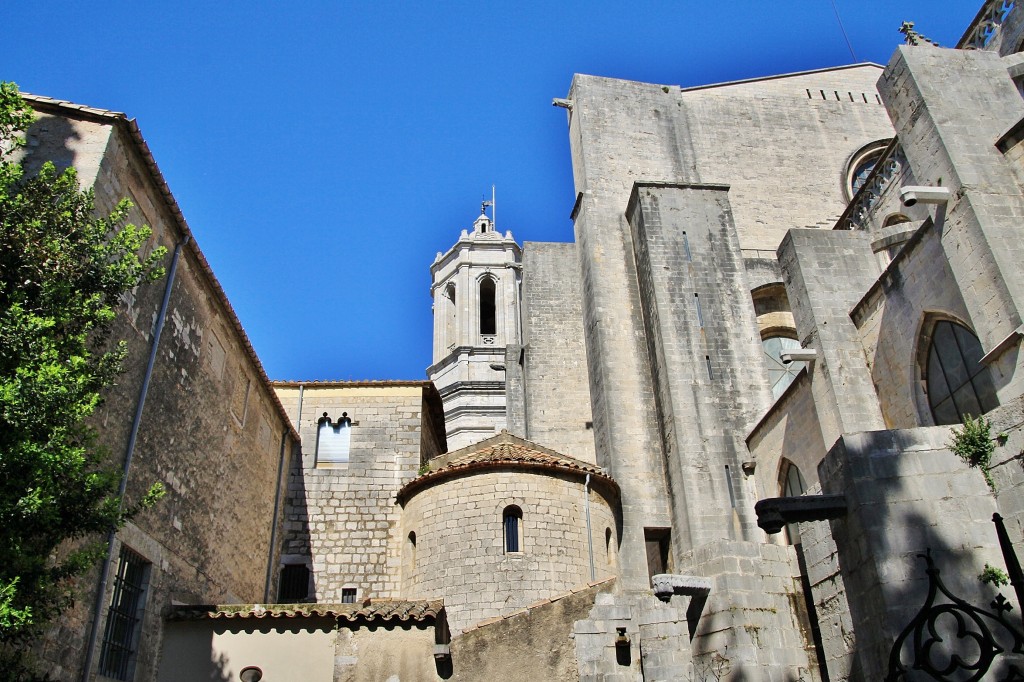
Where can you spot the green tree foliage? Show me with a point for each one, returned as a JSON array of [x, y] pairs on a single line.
[[973, 444], [62, 271]]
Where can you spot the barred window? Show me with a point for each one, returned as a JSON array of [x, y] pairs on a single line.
[[294, 583], [348, 595], [124, 619]]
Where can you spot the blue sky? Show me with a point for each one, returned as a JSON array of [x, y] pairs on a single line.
[[323, 152]]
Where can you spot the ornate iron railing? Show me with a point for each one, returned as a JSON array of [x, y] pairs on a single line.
[[986, 24], [931, 646]]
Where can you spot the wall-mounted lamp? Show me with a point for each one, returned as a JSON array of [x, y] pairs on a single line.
[[622, 639], [913, 194], [250, 674], [798, 354]]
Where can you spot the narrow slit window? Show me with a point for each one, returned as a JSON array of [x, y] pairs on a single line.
[[707, 361], [512, 521], [700, 314], [488, 321], [728, 484], [686, 247]]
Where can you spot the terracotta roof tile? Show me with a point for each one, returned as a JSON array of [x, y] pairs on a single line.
[[329, 383], [371, 610], [506, 450]]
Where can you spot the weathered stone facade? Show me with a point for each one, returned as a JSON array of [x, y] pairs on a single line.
[[753, 308], [454, 521], [211, 430], [341, 518]]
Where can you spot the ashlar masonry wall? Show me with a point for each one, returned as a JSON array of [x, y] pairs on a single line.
[[342, 520], [708, 370], [460, 543], [212, 432], [557, 392]]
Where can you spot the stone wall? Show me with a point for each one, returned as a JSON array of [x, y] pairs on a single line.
[[905, 494], [342, 519], [623, 133], [826, 274], [755, 617], [212, 432], [710, 380], [949, 107], [832, 611], [460, 542], [789, 431], [533, 644], [557, 400], [915, 290]]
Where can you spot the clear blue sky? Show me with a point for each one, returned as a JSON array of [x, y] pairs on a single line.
[[323, 152]]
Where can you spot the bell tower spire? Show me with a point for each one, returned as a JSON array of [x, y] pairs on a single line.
[[475, 286]]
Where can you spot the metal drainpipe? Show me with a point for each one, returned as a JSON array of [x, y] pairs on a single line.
[[129, 452], [590, 537], [273, 521]]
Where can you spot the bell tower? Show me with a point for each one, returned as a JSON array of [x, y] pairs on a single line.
[[475, 286]]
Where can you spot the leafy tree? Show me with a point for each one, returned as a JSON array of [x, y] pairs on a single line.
[[63, 269]]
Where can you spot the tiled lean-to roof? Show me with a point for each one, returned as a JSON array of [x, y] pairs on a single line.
[[386, 610], [505, 451]]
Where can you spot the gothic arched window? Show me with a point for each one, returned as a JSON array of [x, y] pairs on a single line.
[[861, 165], [488, 320], [957, 383]]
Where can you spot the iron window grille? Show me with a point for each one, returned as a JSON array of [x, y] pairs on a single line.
[[124, 619]]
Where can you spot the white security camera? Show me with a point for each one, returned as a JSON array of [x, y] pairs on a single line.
[[798, 354], [913, 194]]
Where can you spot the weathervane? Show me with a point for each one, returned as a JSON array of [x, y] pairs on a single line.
[[484, 203]]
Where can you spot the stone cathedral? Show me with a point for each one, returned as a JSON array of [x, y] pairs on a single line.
[[710, 439]]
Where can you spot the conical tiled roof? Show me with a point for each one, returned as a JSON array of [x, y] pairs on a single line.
[[504, 451]]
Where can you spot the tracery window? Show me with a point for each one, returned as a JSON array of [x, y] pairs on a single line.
[[780, 374], [957, 383], [861, 165], [861, 172], [333, 440]]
